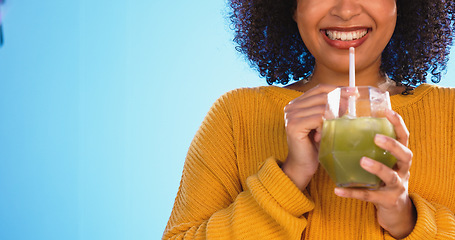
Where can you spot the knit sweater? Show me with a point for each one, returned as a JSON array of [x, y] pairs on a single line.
[[232, 186]]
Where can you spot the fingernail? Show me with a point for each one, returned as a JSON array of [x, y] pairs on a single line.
[[390, 112], [339, 192], [380, 138], [366, 162]]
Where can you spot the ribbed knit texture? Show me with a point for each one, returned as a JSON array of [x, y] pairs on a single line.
[[233, 188]]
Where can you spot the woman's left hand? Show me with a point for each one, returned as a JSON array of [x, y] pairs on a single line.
[[395, 210]]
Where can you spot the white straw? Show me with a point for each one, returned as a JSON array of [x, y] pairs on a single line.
[[351, 107], [351, 67]]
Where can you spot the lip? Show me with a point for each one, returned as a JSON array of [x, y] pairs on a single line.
[[345, 44]]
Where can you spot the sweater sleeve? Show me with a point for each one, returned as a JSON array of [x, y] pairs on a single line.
[[211, 203], [434, 221]]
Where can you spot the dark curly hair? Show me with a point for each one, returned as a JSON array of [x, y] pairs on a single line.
[[266, 33]]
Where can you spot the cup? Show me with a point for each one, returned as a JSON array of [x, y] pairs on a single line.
[[352, 118]]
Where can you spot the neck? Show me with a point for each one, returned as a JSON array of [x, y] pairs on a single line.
[[366, 77]]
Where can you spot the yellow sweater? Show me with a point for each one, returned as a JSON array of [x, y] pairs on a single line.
[[233, 188]]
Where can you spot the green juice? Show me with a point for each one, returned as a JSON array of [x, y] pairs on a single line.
[[345, 141]]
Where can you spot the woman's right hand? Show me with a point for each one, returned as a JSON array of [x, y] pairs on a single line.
[[303, 121]]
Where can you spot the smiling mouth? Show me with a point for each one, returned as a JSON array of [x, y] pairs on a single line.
[[346, 35]]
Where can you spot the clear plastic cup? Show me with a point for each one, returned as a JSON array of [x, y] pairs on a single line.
[[352, 119]]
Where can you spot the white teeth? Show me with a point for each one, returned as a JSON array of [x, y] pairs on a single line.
[[346, 36], [355, 35]]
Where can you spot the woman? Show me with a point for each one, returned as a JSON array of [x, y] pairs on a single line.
[[252, 171]]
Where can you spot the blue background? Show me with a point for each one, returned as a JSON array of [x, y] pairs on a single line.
[[99, 101]]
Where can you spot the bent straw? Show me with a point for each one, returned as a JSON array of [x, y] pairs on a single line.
[[351, 106]]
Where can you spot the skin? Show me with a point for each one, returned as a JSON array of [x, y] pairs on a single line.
[[331, 67], [304, 115]]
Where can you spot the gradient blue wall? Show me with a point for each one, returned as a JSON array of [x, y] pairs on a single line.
[[99, 101]]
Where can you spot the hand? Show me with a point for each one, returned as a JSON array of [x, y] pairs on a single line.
[[395, 210], [303, 121]]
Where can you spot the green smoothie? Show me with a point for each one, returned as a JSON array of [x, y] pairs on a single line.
[[345, 141]]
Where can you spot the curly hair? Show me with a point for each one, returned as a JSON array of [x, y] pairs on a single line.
[[266, 33]]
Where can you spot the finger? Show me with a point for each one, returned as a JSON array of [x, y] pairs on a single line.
[[400, 127], [304, 112], [397, 149], [386, 174], [304, 124], [321, 88], [317, 135], [359, 193], [315, 96], [298, 104]]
